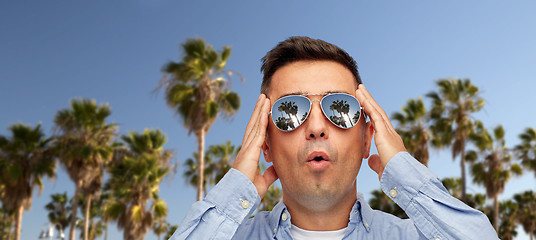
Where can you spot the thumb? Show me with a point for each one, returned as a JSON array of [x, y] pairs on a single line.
[[262, 183], [269, 176], [374, 163]]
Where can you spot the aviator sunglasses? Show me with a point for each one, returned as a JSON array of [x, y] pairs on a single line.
[[343, 110]]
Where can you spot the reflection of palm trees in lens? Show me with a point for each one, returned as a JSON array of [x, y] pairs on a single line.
[[345, 108], [356, 116], [284, 123], [336, 120], [304, 116], [281, 123], [342, 108], [291, 109]]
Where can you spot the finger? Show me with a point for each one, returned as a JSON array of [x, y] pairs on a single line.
[[373, 102], [255, 122], [375, 117], [253, 117], [260, 133]]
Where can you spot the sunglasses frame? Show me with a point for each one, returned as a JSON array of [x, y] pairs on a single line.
[[324, 95]]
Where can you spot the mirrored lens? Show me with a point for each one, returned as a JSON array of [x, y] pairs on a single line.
[[341, 109], [289, 112]]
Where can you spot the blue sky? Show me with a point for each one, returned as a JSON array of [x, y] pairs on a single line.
[[112, 51]]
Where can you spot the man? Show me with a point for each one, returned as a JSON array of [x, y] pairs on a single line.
[[310, 122]]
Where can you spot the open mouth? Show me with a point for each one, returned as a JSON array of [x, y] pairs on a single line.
[[318, 160]]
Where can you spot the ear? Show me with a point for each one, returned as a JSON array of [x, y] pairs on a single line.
[[367, 138], [266, 149]]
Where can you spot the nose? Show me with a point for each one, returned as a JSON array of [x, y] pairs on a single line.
[[316, 125]]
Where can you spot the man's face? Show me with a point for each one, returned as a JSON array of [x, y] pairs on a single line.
[[304, 180]]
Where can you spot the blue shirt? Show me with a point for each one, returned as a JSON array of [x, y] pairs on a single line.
[[434, 213]]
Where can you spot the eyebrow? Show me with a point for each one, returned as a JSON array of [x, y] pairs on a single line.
[[306, 93]]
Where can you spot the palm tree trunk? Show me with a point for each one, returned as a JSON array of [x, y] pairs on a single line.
[[200, 163], [10, 227], [496, 216], [462, 166], [74, 210], [20, 211], [3, 223], [106, 231], [92, 233], [86, 217]]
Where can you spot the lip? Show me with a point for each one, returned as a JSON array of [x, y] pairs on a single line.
[[318, 165]]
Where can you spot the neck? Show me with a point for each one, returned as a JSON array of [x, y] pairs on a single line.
[[326, 216]]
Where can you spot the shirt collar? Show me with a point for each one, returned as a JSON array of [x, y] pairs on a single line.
[[361, 213]]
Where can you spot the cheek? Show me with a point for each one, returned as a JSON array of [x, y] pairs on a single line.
[[349, 144], [283, 149]]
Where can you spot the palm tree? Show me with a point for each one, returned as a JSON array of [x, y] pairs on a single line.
[[508, 213], [223, 153], [134, 181], [527, 211], [191, 171], [59, 210], [270, 199], [25, 158], [196, 88], [527, 149], [413, 129], [171, 230], [97, 223], [495, 166], [6, 224], [160, 227], [84, 147], [216, 169], [452, 123], [382, 202], [104, 200]]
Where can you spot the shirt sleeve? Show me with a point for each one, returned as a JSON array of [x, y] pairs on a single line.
[[224, 208], [425, 200]]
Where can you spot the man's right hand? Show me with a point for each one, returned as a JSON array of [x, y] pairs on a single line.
[[247, 160]]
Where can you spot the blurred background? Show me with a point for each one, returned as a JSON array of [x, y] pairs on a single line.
[[61, 61]]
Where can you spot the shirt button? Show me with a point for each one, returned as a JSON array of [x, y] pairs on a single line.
[[284, 217], [245, 203], [275, 230], [393, 193], [366, 225], [437, 238]]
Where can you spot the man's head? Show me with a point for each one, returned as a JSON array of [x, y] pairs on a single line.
[[300, 66], [304, 49]]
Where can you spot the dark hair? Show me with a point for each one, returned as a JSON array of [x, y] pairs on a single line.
[[302, 49]]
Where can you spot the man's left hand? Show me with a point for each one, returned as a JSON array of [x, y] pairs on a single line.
[[388, 142]]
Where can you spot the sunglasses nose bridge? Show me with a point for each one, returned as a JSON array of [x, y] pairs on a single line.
[[316, 110]]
